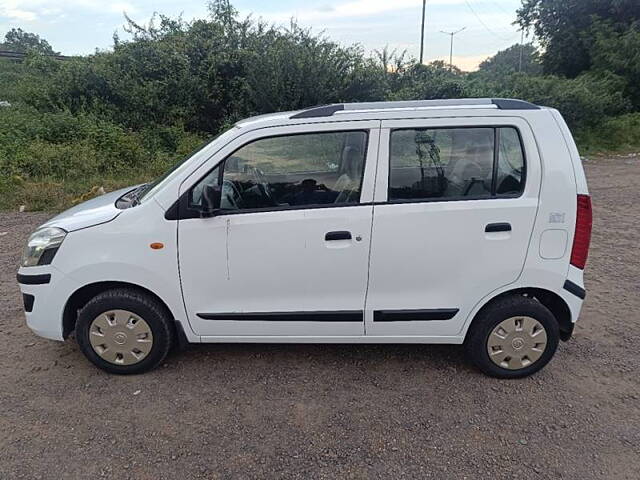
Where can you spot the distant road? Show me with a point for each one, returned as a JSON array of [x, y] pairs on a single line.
[[21, 55]]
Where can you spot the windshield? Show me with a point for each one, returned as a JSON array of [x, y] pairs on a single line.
[[148, 190]]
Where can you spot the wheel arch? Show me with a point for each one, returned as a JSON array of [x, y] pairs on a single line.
[[554, 302], [81, 296]]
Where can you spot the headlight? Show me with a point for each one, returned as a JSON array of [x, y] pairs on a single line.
[[42, 246]]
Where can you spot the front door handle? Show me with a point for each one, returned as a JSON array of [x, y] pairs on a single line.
[[338, 235], [498, 227]]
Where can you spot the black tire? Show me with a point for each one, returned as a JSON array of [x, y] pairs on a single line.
[[139, 303], [502, 309]]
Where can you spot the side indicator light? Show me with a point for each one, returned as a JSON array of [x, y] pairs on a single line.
[[157, 245]]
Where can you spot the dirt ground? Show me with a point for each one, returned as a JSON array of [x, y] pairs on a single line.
[[342, 411]]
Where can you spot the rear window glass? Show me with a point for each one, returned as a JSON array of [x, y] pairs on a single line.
[[455, 163], [510, 172]]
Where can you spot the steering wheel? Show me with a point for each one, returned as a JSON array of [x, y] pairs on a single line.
[[263, 185], [229, 195]]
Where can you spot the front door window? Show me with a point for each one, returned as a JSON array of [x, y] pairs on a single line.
[[300, 170]]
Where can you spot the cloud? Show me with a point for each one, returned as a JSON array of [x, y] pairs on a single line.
[[353, 8], [32, 10], [325, 8], [122, 7], [15, 10]]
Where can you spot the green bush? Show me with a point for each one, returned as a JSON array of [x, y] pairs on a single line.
[[618, 134], [207, 73], [583, 101], [65, 146], [427, 82]]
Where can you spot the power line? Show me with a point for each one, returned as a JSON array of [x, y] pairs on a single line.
[[482, 23], [500, 7]]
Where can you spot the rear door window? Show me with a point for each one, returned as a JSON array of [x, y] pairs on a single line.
[[510, 171], [455, 163]]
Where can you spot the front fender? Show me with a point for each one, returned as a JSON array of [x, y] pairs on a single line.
[[120, 251]]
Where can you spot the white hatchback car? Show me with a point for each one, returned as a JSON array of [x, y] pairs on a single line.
[[444, 221]]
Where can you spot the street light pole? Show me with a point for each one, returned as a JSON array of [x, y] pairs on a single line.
[[451, 34], [521, 47], [424, 7]]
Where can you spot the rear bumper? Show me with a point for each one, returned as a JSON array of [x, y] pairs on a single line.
[[45, 291], [575, 289], [574, 295]]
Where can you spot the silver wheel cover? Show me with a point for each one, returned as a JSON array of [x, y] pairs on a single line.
[[120, 337], [517, 342]]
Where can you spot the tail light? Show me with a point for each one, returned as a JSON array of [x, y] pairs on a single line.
[[582, 237]]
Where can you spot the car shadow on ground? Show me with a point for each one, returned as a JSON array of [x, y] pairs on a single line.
[[431, 357]]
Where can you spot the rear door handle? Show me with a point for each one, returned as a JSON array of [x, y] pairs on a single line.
[[338, 235], [498, 227]]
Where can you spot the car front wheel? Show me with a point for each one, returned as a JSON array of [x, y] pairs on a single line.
[[124, 331]]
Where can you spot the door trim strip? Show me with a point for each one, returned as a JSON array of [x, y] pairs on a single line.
[[414, 315], [331, 316]]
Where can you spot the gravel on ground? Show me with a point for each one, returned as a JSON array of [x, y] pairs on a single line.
[[339, 411]]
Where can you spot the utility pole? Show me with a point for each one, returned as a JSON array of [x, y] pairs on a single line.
[[521, 47], [451, 34], [424, 7]]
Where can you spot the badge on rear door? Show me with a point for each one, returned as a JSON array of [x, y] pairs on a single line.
[[556, 217]]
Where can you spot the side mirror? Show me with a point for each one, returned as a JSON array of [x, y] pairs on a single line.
[[211, 197]]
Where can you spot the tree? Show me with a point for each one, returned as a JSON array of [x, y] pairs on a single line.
[[618, 52], [206, 74], [509, 61], [17, 40], [563, 28]]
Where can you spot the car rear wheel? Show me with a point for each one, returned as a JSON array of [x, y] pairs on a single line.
[[124, 331], [513, 337]]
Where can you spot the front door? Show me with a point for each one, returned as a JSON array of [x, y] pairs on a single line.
[[288, 253], [456, 201]]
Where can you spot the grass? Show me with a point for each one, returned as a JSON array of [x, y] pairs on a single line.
[[51, 161], [52, 195], [615, 135]]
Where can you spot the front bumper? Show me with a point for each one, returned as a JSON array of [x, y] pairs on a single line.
[[45, 292]]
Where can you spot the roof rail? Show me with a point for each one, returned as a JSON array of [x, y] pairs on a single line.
[[501, 103], [321, 111], [514, 104]]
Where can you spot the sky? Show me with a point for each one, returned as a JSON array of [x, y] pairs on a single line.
[[82, 26]]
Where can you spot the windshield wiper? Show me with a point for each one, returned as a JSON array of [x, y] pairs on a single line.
[[137, 194], [131, 198]]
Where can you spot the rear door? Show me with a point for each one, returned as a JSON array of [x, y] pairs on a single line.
[[454, 210]]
